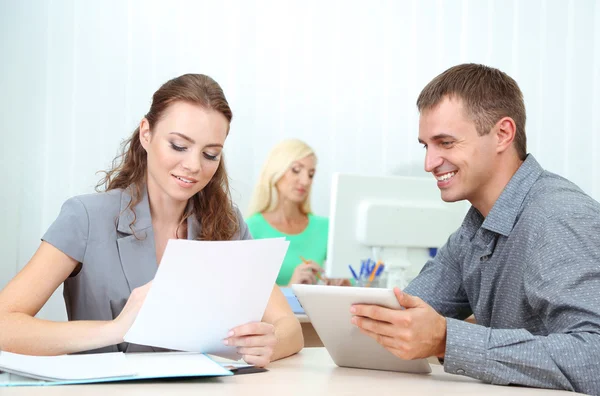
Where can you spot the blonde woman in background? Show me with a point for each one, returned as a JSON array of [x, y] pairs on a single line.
[[280, 207]]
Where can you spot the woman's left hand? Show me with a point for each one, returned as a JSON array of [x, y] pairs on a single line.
[[338, 282], [254, 341]]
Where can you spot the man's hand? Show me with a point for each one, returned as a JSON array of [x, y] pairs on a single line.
[[415, 332]]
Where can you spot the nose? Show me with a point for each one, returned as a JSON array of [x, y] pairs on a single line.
[[305, 179], [192, 163], [432, 160]]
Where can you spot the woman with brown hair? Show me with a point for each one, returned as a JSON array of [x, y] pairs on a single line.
[[168, 182]]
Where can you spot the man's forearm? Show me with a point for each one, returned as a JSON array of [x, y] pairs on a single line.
[[515, 356]]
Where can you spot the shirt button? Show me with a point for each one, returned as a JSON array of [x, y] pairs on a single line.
[[484, 258], [460, 371]]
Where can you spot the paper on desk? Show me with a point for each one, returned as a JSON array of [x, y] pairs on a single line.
[[24, 370], [174, 364], [67, 367], [203, 289]]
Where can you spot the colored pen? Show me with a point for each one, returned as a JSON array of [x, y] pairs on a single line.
[[370, 266], [353, 273], [373, 273], [363, 269]]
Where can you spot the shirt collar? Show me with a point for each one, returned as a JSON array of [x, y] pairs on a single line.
[[138, 215], [142, 216], [507, 207]]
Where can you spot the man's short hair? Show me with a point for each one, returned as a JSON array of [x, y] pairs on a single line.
[[487, 95]]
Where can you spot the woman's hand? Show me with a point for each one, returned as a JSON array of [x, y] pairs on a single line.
[[131, 309], [338, 282], [306, 273], [254, 341]]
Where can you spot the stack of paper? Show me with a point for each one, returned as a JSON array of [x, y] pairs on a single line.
[[203, 289], [104, 367]]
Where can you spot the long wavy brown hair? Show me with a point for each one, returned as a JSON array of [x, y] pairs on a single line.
[[212, 206]]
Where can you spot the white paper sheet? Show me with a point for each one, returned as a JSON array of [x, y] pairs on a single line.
[[22, 370], [203, 289], [67, 367], [173, 364]]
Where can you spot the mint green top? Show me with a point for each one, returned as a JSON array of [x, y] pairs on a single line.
[[310, 243]]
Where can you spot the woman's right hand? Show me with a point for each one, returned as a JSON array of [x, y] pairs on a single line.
[[131, 308], [306, 273]]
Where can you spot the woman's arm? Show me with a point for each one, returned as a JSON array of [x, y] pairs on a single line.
[[287, 327], [25, 295]]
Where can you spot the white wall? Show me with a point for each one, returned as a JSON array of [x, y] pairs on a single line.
[[343, 75]]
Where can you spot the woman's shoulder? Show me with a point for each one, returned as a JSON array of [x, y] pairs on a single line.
[[319, 221], [96, 204], [255, 220], [100, 199]]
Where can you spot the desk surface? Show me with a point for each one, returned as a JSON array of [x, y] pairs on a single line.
[[311, 372]]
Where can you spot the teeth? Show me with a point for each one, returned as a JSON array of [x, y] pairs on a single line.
[[183, 180], [446, 176]]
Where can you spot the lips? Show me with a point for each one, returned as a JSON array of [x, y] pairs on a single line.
[[184, 182], [445, 176], [445, 179], [185, 179]]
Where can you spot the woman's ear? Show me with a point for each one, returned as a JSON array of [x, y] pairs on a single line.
[[505, 131], [145, 133]]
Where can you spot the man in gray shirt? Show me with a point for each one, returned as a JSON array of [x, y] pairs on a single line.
[[525, 261]]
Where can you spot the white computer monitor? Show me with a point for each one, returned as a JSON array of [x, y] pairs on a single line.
[[390, 218]]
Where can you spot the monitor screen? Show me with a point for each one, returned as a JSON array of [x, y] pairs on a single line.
[[399, 219]]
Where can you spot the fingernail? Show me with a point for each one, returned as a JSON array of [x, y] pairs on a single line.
[[352, 309], [230, 334], [354, 320], [225, 342]]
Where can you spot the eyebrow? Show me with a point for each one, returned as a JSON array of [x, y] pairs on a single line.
[[189, 139], [186, 137], [302, 166], [439, 137]]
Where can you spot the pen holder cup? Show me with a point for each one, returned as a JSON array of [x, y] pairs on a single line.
[[380, 281]]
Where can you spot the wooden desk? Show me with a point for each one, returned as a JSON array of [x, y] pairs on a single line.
[[311, 372]]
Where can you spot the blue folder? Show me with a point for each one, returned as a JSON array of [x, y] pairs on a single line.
[[292, 300]]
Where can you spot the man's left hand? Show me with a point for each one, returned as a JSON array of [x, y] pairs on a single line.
[[415, 332]]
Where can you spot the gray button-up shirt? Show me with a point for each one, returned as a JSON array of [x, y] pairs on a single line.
[[116, 254], [530, 273]]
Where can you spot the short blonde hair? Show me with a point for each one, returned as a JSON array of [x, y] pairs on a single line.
[[281, 157]]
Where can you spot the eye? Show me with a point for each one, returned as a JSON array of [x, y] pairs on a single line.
[[311, 174], [424, 146], [177, 148], [211, 157], [447, 143], [296, 170]]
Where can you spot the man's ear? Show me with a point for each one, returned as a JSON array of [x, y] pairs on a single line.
[[505, 133], [145, 133]]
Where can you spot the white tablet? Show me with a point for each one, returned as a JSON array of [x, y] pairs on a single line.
[[328, 308]]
